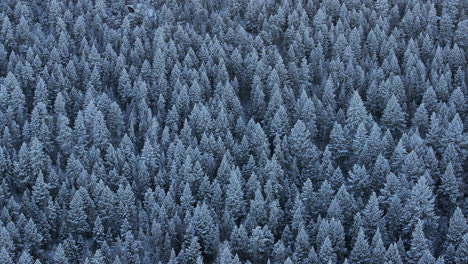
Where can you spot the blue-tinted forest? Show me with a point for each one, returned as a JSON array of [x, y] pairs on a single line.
[[237, 131]]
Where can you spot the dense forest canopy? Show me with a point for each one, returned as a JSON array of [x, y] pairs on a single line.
[[237, 131]]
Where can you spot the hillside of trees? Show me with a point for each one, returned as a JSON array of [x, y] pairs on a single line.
[[237, 131]]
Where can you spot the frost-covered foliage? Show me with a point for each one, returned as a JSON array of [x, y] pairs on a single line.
[[239, 131]]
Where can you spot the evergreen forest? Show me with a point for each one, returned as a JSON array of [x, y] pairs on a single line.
[[233, 131]]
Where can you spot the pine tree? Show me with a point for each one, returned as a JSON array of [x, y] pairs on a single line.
[[392, 256], [261, 244], [17, 101], [116, 260], [360, 252], [235, 203], [142, 178], [457, 228], [338, 143], [420, 206], [454, 134], [115, 121], [325, 195], [426, 258], [40, 193], [5, 257], [279, 124], [301, 148], [372, 147], [98, 257], [192, 253], [450, 187], [22, 167], [302, 246], [257, 98], [227, 257], [359, 141], [421, 119], [131, 248], [398, 157], [77, 217], [413, 166], [393, 117], [337, 237], [326, 253], [98, 231], [372, 216], [334, 210], [356, 113], [419, 244], [450, 253], [25, 258], [100, 133], [258, 209], [203, 226], [32, 238], [377, 248], [279, 252], [64, 136], [462, 250], [359, 180], [59, 255], [37, 157], [239, 241], [379, 172], [80, 135]]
